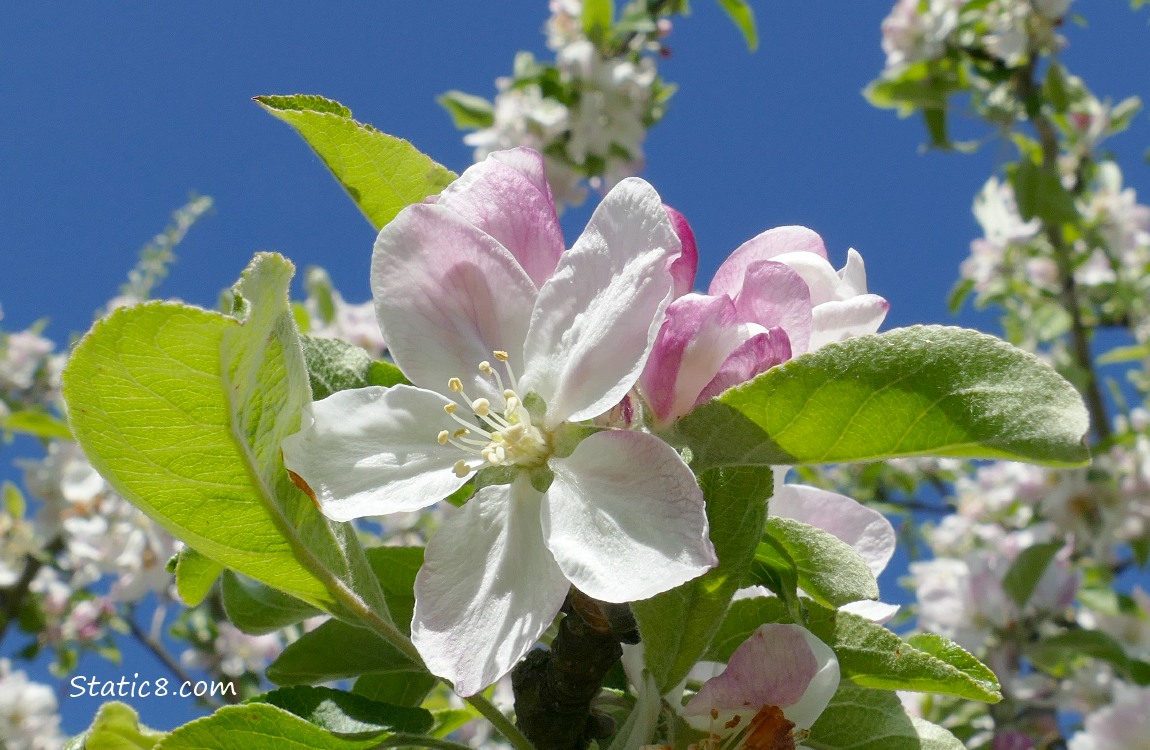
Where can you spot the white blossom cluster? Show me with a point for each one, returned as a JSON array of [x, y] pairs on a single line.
[[594, 127], [29, 369], [1010, 31], [28, 712]]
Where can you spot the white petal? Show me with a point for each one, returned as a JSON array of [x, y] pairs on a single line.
[[625, 518], [879, 612], [843, 319], [447, 295], [597, 317], [863, 528], [372, 451], [822, 279], [488, 588]]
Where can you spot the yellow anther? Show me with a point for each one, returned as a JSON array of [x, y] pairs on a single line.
[[481, 406], [456, 385], [510, 394], [461, 468], [450, 408], [485, 367], [501, 356], [461, 432], [444, 436]]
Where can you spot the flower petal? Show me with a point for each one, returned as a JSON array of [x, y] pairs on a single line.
[[863, 528], [754, 356], [684, 267], [448, 294], [778, 665], [843, 319], [625, 518], [773, 294], [597, 317], [728, 279], [878, 612], [698, 334], [503, 196], [372, 451], [488, 588], [822, 279]]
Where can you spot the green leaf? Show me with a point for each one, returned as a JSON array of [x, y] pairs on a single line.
[[1059, 653], [258, 609], [598, 16], [468, 111], [925, 390], [183, 411], [828, 569], [1026, 571], [741, 12], [1055, 88], [860, 719], [869, 655], [774, 568], [338, 651], [1040, 193], [935, 119], [677, 626], [396, 688], [261, 726], [340, 712], [195, 575], [381, 173], [1123, 354], [37, 423], [334, 365], [396, 568], [117, 727]]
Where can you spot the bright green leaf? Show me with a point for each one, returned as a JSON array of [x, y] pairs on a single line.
[[743, 15], [827, 568], [774, 568], [334, 365], [340, 712], [117, 727], [468, 111], [1026, 571], [36, 423], [677, 626], [381, 173], [598, 16], [1058, 654], [860, 719], [925, 390], [258, 609], [338, 651], [195, 575]]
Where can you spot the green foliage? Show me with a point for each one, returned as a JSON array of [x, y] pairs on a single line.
[[826, 568], [258, 609], [339, 651], [924, 390], [598, 16], [396, 568], [774, 568], [1060, 654], [116, 727], [1026, 571], [334, 365], [743, 16], [195, 575], [396, 688], [861, 719], [341, 712], [1040, 193], [381, 173], [35, 422], [468, 112], [677, 626], [869, 655], [183, 411]]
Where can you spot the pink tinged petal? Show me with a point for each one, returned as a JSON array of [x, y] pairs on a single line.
[[501, 196], [841, 320], [488, 588], [821, 278], [864, 529], [684, 267], [372, 451], [447, 294], [728, 279], [697, 336], [775, 295], [778, 665], [753, 357], [597, 316], [625, 518]]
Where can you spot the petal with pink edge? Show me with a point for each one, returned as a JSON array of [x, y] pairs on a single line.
[[778, 665], [502, 197], [753, 357], [625, 518], [447, 295], [698, 336], [597, 317], [822, 279], [684, 267], [728, 279], [775, 295], [864, 529], [488, 588], [844, 319], [373, 451]]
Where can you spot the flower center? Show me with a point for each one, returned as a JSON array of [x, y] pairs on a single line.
[[493, 437]]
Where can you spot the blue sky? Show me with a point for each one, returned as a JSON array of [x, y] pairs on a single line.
[[112, 112]]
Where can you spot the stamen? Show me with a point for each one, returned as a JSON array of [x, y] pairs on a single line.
[[461, 468], [444, 436], [450, 408], [481, 406], [456, 385], [502, 357]]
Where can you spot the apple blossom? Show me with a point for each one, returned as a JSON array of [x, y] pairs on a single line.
[[480, 275], [1123, 725], [28, 718], [775, 686]]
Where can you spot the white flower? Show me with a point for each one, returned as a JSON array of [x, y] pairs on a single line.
[[1123, 725], [28, 718], [481, 275]]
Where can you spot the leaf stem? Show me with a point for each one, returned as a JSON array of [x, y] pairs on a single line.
[[500, 722]]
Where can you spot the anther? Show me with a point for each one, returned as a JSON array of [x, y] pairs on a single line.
[[450, 408], [481, 406], [444, 436], [499, 355], [456, 385], [461, 468]]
